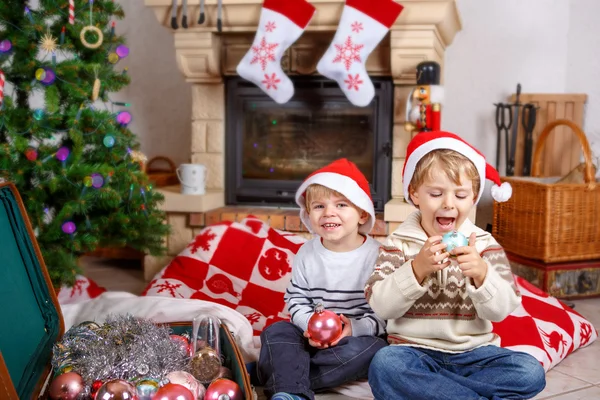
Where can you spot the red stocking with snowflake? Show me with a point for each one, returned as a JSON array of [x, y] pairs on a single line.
[[362, 26], [281, 24]]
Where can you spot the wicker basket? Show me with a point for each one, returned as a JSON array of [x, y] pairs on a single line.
[[549, 221], [162, 176]]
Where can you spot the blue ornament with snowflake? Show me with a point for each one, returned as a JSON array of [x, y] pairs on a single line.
[[454, 239]]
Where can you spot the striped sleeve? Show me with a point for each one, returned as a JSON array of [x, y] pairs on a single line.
[[298, 296]]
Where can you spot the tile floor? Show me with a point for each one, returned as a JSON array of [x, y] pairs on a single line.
[[576, 377]]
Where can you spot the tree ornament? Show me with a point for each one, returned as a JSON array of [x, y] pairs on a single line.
[[108, 141], [454, 239], [124, 117], [62, 154], [2, 81], [146, 389], [48, 43], [223, 389], [122, 51], [116, 389], [5, 46], [62, 36], [97, 31], [96, 87], [69, 227], [31, 154], [40, 74], [72, 12], [97, 180], [38, 114], [188, 381], [66, 386], [173, 391], [205, 364], [324, 326], [49, 77], [113, 58]]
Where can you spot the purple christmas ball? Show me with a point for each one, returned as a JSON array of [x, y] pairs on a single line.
[[122, 51], [62, 154], [50, 77], [69, 227], [5, 46], [97, 181], [124, 117]]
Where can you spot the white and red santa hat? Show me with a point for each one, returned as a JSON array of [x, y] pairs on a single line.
[[344, 177], [426, 142]]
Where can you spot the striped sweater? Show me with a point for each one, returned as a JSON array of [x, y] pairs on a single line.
[[336, 280], [445, 313]]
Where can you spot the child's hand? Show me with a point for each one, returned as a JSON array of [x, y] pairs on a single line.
[[430, 259], [314, 343], [346, 330], [470, 262]]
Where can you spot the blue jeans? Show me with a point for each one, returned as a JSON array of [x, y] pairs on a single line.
[[488, 372], [287, 363]]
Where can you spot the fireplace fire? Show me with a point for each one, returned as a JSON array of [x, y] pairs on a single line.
[[271, 148]]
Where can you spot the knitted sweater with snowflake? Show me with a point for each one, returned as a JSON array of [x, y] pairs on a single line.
[[336, 280], [447, 312]]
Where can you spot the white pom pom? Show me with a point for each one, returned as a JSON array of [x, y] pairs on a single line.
[[502, 193]]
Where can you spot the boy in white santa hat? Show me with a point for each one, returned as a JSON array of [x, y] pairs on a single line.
[[439, 309], [331, 269]]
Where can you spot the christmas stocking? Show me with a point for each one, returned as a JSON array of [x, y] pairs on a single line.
[[362, 26], [281, 24]]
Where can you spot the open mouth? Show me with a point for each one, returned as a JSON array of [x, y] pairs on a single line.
[[445, 224], [331, 226]]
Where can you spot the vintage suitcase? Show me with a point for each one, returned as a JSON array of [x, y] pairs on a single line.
[[31, 318], [565, 280]]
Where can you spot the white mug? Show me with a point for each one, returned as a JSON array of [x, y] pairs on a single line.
[[192, 178]]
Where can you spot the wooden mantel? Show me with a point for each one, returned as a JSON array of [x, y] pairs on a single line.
[[422, 32]]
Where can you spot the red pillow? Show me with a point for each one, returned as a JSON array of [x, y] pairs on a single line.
[[544, 327], [244, 265]]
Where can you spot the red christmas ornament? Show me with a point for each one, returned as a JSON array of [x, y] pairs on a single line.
[[223, 389], [173, 391], [96, 385], [31, 154], [324, 326], [184, 343], [66, 386]]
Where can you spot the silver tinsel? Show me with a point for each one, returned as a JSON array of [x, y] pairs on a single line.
[[124, 347]]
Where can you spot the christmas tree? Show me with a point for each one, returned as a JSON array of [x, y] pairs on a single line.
[[74, 161]]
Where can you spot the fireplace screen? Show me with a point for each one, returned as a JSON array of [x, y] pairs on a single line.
[[271, 148]]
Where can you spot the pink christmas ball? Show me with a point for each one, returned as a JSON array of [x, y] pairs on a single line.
[[186, 380], [66, 386], [223, 389], [324, 326], [173, 391], [116, 389]]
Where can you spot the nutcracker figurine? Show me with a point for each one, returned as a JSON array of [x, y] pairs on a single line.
[[423, 106]]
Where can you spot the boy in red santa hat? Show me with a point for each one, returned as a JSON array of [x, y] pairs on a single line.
[[439, 309], [331, 269]]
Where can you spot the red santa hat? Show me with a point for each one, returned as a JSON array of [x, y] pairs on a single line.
[[344, 177], [426, 142]]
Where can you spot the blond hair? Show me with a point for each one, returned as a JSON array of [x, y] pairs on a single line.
[[316, 192], [452, 163]]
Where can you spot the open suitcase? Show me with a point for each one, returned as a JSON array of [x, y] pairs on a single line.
[[31, 317]]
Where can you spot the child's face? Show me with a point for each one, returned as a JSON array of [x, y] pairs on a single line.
[[444, 205], [336, 221]]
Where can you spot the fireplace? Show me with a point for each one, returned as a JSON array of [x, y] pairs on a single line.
[[270, 148]]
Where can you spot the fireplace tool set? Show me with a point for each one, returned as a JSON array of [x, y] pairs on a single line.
[[201, 18], [507, 124]]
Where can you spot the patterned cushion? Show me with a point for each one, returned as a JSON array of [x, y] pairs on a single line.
[[83, 289], [544, 327], [244, 265]]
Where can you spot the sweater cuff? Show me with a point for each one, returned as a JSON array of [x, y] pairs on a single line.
[[302, 321], [488, 289], [361, 327], [407, 282]]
